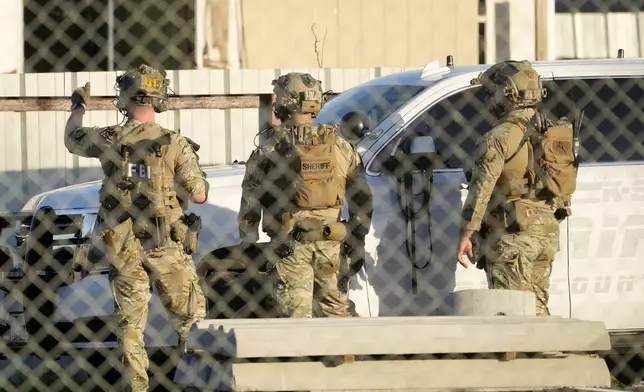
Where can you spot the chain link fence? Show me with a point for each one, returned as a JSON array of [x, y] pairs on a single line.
[[105, 35], [58, 297]]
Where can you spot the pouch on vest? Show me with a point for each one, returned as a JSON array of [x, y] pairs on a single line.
[[557, 161], [336, 231], [522, 216], [318, 184], [116, 202], [308, 229]]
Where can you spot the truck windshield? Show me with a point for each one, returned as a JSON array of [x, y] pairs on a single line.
[[377, 102]]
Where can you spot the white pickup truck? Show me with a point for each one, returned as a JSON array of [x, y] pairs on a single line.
[[411, 266]]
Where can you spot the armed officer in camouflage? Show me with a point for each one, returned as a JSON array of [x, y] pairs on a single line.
[[150, 172], [524, 175], [298, 184]]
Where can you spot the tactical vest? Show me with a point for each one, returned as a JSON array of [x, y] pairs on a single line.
[[318, 182], [546, 167], [143, 180]]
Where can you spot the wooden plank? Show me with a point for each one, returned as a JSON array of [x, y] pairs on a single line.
[[107, 103], [395, 335], [417, 375]]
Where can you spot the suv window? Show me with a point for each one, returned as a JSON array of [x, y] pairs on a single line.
[[611, 131], [455, 123], [376, 102]]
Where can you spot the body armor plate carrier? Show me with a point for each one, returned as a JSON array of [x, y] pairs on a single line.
[[318, 183], [143, 181]]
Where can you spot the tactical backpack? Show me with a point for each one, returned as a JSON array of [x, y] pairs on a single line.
[[318, 184], [553, 156]]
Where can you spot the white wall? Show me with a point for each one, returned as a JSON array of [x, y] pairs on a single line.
[[11, 31]]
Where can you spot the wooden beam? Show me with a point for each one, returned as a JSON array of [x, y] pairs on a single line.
[[46, 104]]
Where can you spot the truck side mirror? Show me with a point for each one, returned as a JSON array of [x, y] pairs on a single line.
[[355, 125], [420, 152], [412, 153]]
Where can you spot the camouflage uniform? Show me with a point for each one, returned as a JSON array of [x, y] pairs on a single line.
[[135, 259], [307, 275], [518, 231]]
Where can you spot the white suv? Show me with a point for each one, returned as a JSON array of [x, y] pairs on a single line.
[[411, 266]]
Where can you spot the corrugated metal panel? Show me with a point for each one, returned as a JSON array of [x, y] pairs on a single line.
[[35, 159]]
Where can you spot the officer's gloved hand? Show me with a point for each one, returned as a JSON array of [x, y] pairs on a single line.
[[81, 96]]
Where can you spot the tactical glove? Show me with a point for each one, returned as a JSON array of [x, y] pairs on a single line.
[[356, 266], [81, 96]]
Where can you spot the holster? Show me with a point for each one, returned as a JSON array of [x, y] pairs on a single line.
[[283, 240], [192, 236], [478, 250], [355, 252], [186, 231], [563, 212]]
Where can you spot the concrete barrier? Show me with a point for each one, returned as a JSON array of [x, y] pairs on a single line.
[[491, 303], [394, 353]]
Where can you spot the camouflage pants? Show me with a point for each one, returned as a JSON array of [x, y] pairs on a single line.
[[308, 279], [173, 273], [523, 262]]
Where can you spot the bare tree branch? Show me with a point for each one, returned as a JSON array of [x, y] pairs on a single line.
[[319, 53]]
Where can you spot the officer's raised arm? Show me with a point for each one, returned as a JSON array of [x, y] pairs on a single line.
[[189, 176], [88, 142]]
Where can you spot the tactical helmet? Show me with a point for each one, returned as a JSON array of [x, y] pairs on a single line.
[[297, 93], [511, 85], [143, 86]]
